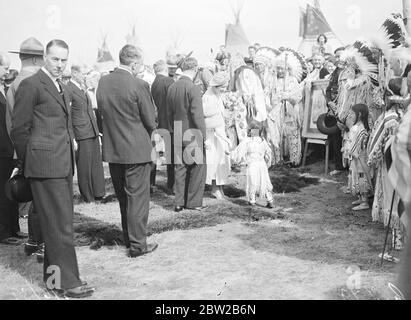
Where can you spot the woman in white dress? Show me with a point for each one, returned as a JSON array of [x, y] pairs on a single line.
[[217, 142]]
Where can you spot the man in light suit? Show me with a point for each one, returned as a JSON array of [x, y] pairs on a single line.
[[43, 138], [128, 118], [185, 109], [90, 171]]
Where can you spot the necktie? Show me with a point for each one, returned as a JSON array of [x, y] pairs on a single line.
[[60, 86]]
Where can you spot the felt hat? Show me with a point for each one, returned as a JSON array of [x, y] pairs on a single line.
[[31, 46], [18, 189]]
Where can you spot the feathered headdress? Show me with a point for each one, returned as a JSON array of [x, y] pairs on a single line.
[[267, 54], [361, 58], [295, 62], [391, 35]]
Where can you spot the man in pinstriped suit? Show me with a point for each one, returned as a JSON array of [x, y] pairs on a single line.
[[43, 138]]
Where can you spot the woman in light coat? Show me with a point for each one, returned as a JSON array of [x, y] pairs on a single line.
[[217, 143]]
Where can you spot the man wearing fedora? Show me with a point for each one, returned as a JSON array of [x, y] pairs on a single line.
[[43, 138], [31, 56], [9, 214]]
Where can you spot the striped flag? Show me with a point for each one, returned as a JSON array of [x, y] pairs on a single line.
[[399, 164]]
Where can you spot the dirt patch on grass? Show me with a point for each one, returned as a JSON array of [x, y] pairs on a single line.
[[299, 250]]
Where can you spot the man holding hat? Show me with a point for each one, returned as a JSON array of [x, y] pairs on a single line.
[[9, 214], [43, 138], [31, 56]]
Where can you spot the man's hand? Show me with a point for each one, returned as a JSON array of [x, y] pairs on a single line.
[[75, 145], [332, 106], [341, 126], [15, 172]]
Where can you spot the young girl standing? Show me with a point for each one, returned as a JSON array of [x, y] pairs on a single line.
[[359, 179], [255, 152]]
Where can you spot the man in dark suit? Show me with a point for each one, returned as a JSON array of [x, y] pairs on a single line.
[[43, 138], [128, 120], [9, 212], [186, 116], [31, 56], [90, 171], [331, 98], [159, 91]]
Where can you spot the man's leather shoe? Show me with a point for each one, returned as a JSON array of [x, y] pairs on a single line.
[[30, 248], [79, 292], [178, 209], [150, 248], [21, 235]]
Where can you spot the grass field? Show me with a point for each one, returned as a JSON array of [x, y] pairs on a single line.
[[310, 246]]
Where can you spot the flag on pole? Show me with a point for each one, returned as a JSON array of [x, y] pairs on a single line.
[[312, 24]]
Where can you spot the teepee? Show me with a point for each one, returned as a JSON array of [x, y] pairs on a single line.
[[105, 62], [236, 40], [132, 38], [312, 24]]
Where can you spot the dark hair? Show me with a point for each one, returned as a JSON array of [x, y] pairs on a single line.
[[56, 43], [322, 35], [129, 54], [189, 64], [252, 47], [257, 125], [361, 113]]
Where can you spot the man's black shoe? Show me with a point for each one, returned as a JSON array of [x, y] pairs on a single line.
[[150, 248], [79, 292], [178, 209], [39, 253], [30, 248]]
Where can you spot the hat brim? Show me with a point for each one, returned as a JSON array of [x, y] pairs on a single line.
[[327, 125], [31, 53]]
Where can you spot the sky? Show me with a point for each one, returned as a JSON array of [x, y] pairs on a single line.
[[197, 25]]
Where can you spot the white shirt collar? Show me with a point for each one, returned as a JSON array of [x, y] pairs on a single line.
[[188, 76], [76, 84], [49, 74], [53, 79], [122, 68]]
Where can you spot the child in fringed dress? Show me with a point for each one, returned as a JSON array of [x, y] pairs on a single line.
[[255, 152], [359, 179]]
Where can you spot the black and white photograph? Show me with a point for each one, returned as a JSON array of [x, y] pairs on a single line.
[[213, 153]]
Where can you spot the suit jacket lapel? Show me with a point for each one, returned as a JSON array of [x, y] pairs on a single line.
[[81, 94], [2, 98], [51, 88]]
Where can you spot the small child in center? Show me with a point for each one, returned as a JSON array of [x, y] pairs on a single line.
[[359, 179], [255, 152]]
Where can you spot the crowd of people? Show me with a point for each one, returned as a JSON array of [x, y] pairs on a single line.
[[200, 121]]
